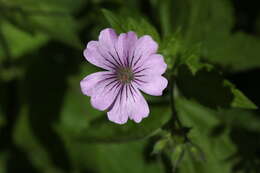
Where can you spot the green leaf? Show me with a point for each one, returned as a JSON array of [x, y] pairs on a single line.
[[62, 28], [170, 48], [239, 118], [176, 53], [77, 111], [111, 157], [135, 155], [126, 23], [194, 64], [114, 21], [239, 100], [50, 18], [235, 51], [210, 89], [20, 42], [216, 149], [239, 52], [47, 5], [177, 155], [160, 145], [102, 130]]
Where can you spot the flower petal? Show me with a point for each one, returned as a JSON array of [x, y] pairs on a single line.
[[125, 45], [88, 83], [102, 52], [152, 84], [154, 65], [144, 47], [95, 56], [129, 104], [102, 87], [108, 38]]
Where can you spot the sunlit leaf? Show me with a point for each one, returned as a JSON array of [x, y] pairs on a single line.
[[239, 100]]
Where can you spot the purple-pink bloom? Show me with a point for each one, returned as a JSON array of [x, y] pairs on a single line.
[[131, 65]]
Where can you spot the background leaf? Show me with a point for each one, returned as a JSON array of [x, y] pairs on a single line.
[[216, 149], [20, 43], [211, 89], [125, 24]]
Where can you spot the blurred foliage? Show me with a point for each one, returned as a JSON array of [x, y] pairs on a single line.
[[206, 121]]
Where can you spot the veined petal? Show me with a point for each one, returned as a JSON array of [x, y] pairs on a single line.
[[152, 84], [144, 47], [125, 45], [154, 65], [88, 83], [108, 38], [102, 87], [107, 43], [129, 104], [97, 57]]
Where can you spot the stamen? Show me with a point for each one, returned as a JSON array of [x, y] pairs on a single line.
[[125, 75]]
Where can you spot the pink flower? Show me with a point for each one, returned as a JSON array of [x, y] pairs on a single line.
[[131, 65]]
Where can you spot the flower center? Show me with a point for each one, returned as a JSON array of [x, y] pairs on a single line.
[[125, 75]]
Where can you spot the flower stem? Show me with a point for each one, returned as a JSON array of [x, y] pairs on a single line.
[[175, 120]]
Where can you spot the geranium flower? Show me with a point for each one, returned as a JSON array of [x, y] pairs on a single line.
[[131, 65]]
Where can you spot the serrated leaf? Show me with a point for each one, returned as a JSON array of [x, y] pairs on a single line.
[[239, 100], [170, 48], [194, 64], [211, 89], [205, 87]]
